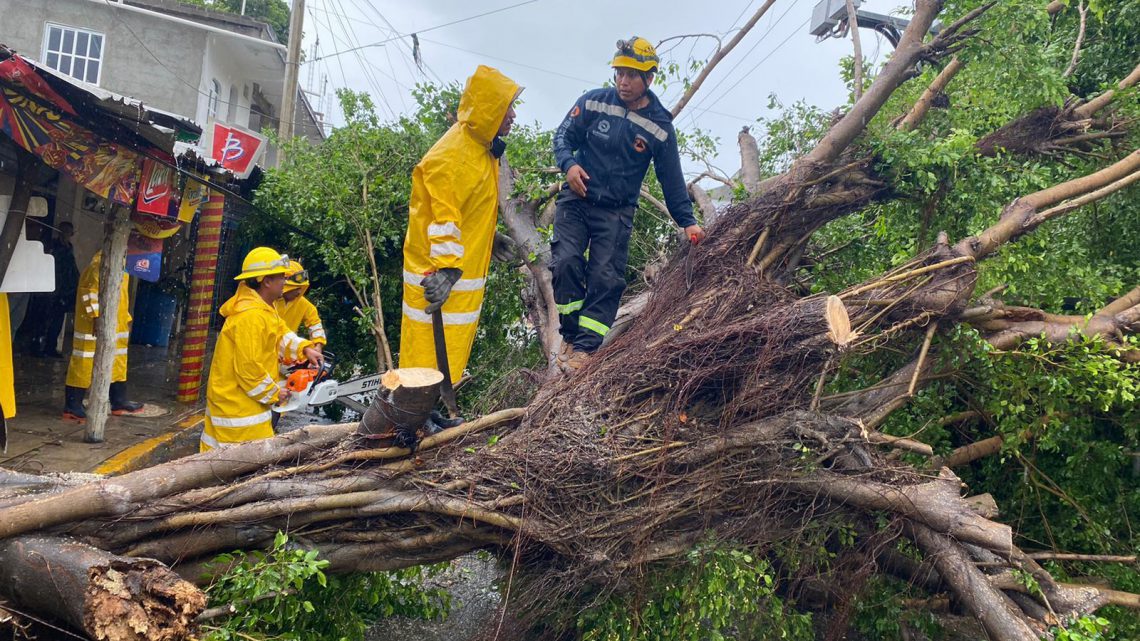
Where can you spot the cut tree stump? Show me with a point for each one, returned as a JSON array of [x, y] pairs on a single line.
[[107, 597], [403, 404]]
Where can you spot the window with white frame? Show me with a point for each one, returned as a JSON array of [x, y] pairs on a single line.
[[75, 52], [215, 98]]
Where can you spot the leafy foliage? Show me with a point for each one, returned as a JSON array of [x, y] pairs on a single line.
[[716, 593], [284, 594], [1067, 413], [275, 13]]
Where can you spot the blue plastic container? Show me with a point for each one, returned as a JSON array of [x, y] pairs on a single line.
[[154, 317]]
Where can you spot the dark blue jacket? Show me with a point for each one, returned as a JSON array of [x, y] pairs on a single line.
[[614, 145]]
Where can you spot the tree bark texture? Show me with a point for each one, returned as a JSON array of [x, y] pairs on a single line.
[[116, 232], [107, 597], [699, 419]]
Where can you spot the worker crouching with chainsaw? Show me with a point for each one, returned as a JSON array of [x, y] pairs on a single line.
[[451, 227], [604, 146], [243, 373], [296, 310]]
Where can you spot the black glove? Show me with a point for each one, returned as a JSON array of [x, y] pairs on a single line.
[[437, 287]]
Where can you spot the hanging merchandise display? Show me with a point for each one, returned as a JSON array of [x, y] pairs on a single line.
[[108, 170], [193, 195], [144, 257], [158, 190]]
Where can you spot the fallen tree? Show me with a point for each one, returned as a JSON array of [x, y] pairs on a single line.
[[704, 418]]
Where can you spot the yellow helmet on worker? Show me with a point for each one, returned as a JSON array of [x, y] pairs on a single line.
[[636, 53], [297, 276], [263, 261]]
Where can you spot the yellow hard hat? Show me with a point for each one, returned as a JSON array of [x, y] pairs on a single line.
[[296, 277], [263, 261], [635, 53]]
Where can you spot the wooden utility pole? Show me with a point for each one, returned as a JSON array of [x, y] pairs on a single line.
[[117, 230], [292, 69]]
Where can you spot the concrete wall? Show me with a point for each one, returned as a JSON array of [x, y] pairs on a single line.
[[170, 83], [188, 59]]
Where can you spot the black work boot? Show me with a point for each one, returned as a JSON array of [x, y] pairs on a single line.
[[119, 403], [73, 404]]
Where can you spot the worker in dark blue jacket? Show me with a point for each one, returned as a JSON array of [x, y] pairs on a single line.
[[604, 147]]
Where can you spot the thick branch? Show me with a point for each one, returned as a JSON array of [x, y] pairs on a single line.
[[718, 56], [1019, 217], [1096, 104], [1002, 620], [120, 494], [918, 112], [1083, 10], [853, 25], [935, 504], [749, 161], [898, 70]]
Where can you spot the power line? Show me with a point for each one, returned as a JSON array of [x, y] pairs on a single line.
[[400, 36], [742, 12], [422, 64], [739, 61], [517, 64], [367, 69], [584, 81], [727, 91]]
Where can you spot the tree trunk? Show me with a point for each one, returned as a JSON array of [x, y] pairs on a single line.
[[107, 597], [118, 229]]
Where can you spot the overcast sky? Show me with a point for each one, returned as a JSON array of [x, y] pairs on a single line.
[[559, 49]]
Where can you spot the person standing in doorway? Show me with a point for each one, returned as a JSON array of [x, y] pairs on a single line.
[[87, 309], [60, 301], [604, 146]]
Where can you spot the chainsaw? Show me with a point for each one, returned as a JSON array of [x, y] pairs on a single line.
[[314, 387]]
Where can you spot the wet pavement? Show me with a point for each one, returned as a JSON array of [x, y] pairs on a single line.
[[39, 440]]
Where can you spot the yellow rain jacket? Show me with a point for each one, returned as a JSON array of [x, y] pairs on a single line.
[[86, 310], [454, 208], [300, 312], [7, 373], [243, 372]]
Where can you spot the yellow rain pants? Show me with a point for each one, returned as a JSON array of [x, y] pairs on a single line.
[[86, 311], [243, 372], [451, 223], [7, 373]]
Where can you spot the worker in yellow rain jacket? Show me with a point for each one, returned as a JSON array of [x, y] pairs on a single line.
[[296, 310], [243, 373], [83, 346], [451, 224]]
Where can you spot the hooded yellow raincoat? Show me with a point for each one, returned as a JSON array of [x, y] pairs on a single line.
[[86, 310], [451, 224], [300, 312], [243, 372]]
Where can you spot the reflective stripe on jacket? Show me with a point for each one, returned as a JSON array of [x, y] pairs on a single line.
[[614, 146], [87, 309], [300, 312], [243, 372], [454, 208]]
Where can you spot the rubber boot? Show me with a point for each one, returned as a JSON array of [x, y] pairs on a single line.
[[119, 403], [73, 404]]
